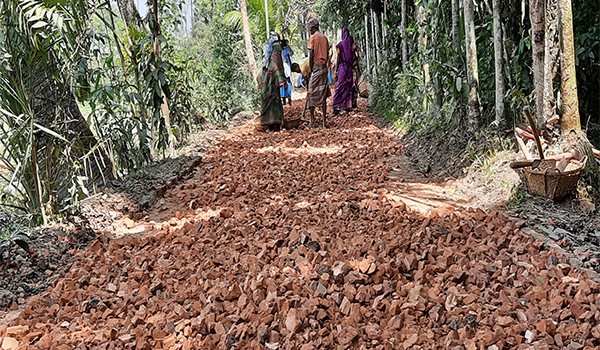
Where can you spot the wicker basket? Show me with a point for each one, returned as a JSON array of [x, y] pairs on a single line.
[[292, 123], [552, 183], [363, 89], [287, 124]]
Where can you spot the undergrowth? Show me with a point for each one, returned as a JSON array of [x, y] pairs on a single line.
[[517, 198], [405, 99]]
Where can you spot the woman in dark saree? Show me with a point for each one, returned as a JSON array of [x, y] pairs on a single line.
[[270, 80], [342, 100]]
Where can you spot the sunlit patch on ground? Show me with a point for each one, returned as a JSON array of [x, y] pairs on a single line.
[[305, 149]]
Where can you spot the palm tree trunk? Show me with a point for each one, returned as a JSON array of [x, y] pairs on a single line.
[[472, 68], [551, 57], [498, 50], [571, 124], [572, 135], [248, 39], [536, 16]]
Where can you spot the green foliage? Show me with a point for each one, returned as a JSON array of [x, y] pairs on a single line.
[[405, 99], [280, 17], [211, 60], [412, 97], [518, 197], [586, 22], [80, 51], [39, 144], [54, 54], [13, 237], [343, 13]]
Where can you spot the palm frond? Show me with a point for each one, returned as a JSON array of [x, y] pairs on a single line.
[[233, 20]]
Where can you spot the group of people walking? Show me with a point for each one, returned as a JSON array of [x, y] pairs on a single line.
[[275, 77]]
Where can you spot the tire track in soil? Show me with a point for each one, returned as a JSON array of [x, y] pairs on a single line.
[[295, 240]]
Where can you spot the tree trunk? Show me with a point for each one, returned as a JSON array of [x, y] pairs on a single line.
[[335, 36], [435, 37], [498, 50], [305, 34], [571, 124], [536, 16], [422, 44], [551, 57], [383, 29], [420, 14], [127, 18], [267, 18], [367, 50], [156, 31], [375, 54], [403, 34], [129, 12], [571, 132], [472, 69], [375, 27], [456, 28], [54, 106], [112, 28], [248, 39], [509, 78]]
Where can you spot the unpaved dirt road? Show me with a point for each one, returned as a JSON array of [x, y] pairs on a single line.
[[300, 240]]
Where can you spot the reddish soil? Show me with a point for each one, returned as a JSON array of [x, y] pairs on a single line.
[[297, 240]]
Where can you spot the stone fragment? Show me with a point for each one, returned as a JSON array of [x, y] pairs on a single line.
[[293, 323], [505, 321], [16, 331], [410, 341], [396, 322], [9, 343], [129, 223], [529, 335], [111, 287], [372, 331], [347, 336], [365, 265], [345, 306], [321, 289]]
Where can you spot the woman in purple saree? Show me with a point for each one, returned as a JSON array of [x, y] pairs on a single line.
[[342, 100]]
